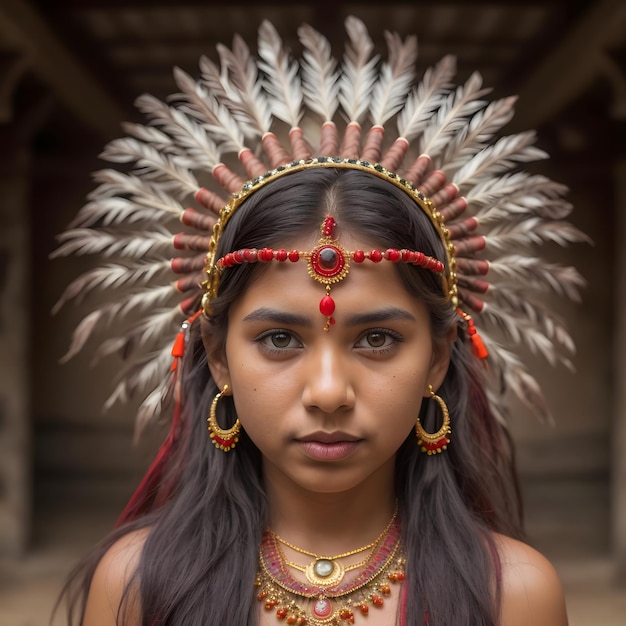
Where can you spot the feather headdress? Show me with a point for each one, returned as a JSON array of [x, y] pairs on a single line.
[[445, 144]]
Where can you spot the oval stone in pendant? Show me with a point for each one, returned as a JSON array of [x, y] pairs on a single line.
[[329, 258], [323, 568], [322, 608]]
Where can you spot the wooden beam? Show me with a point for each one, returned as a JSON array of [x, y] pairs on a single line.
[[573, 66], [55, 65]]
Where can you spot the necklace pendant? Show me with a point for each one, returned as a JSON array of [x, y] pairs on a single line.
[[322, 608], [324, 572]]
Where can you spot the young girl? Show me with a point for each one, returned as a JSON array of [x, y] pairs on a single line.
[[353, 468]]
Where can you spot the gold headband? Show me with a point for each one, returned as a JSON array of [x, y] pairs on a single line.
[[213, 269]]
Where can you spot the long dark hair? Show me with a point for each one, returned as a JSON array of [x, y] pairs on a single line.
[[199, 560]]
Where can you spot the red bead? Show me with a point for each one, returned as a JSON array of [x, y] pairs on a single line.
[[267, 254], [376, 256], [364, 609], [329, 226], [281, 255], [281, 613], [377, 600], [238, 256], [358, 256], [400, 576], [250, 255], [327, 306], [294, 256], [392, 255], [385, 589], [406, 255]]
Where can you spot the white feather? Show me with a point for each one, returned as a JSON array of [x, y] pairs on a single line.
[[535, 273], [143, 374], [282, 82], [534, 231], [152, 136], [247, 85], [113, 211], [515, 300], [481, 129], [396, 78], [148, 332], [150, 328], [319, 73], [519, 331], [204, 107], [88, 241], [514, 376], [358, 75], [217, 83], [109, 277], [171, 171], [496, 159], [426, 98], [453, 115], [153, 406], [191, 136]]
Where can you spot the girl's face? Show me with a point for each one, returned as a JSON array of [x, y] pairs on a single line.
[[329, 409]]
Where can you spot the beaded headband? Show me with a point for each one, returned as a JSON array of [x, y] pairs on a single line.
[[328, 263], [336, 267]]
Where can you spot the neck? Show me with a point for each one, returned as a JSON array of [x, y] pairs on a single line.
[[330, 523]]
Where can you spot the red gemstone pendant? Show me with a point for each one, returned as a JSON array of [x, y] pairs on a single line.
[[327, 261], [327, 306], [322, 608]]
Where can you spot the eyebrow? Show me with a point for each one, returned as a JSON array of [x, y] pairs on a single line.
[[381, 315], [267, 314]]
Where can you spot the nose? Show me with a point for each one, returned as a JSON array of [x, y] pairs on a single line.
[[329, 381]]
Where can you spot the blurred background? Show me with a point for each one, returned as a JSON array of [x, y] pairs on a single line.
[[69, 72]]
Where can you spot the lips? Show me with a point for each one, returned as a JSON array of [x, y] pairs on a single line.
[[334, 437], [334, 446]]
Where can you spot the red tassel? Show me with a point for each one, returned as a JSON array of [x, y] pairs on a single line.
[[478, 347], [178, 349]]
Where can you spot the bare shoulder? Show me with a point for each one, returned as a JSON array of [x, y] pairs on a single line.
[[113, 573], [531, 590]]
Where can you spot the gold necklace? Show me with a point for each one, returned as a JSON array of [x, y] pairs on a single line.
[[335, 605], [326, 570]]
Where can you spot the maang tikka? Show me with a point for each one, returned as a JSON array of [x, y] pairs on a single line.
[[329, 263]]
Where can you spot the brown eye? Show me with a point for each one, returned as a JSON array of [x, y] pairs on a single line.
[[280, 340], [376, 340]]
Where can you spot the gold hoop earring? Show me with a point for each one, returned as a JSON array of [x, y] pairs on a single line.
[[433, 443], [222, 439]]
